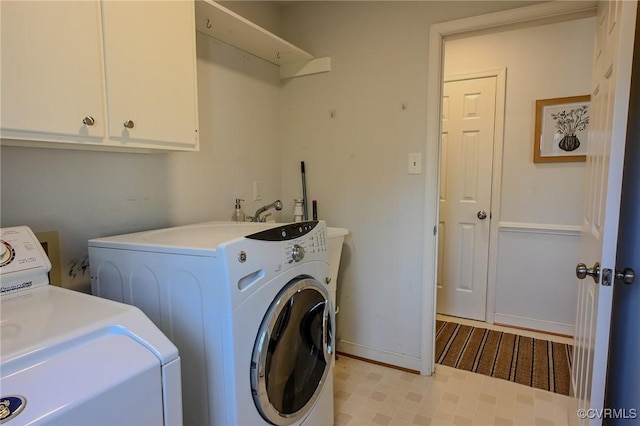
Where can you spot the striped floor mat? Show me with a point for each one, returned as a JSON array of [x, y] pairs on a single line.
[[533, 362]]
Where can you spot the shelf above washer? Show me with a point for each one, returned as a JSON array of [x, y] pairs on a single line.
[[227, 26]]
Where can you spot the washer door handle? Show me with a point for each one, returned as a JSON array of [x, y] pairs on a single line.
[[327, 334]]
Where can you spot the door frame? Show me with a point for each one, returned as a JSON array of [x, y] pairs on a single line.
[[537, 14], [496, 178]]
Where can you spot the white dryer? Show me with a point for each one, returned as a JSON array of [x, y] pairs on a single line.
[[68, 358], [246, 304]]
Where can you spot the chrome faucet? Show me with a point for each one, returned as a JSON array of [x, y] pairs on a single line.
[[275, 205]]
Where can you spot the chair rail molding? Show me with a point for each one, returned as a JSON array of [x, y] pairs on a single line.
[[540, 228]]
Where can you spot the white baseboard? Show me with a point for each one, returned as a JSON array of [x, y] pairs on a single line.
[[392, 358], [534, 324]]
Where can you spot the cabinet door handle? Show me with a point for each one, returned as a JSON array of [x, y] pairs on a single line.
[[128, 124], [88, 121]]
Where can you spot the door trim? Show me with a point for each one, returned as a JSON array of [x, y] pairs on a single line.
[[536, 14], [496, 179]]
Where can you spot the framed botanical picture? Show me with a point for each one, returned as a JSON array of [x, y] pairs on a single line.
[[561, 129]]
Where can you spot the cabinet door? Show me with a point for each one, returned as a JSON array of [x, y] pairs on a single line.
[[51, 70], [150, 67]]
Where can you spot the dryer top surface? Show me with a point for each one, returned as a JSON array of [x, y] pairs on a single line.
[[46, 320]]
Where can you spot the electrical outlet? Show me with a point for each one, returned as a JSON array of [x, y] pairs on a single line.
[[257, 191], [415, 163]]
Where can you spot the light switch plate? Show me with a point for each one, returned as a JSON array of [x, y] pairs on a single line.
[[257, 191], [415, 163]]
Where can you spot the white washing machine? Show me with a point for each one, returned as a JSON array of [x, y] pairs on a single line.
[[246, 304], [68, 358]]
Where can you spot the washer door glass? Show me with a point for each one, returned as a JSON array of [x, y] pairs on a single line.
[[293, 352]]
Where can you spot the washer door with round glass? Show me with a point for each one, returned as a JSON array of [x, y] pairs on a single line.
[[293, 352]]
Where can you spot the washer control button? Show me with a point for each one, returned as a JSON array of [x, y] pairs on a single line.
[[297, 252]]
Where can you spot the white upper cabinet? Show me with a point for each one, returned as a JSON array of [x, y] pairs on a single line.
[[150, 71], [99, 75], [51, 78]]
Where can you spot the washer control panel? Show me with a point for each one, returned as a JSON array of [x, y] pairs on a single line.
[[23, 262], [299, 239], [287, 232], [312, 243]]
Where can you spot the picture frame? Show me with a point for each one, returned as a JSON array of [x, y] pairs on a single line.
[[561, 129]]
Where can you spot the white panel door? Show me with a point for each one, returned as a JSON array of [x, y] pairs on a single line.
[[468, 127], [607, 132]]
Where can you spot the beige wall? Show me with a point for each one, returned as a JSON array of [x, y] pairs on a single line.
[[357, 161]]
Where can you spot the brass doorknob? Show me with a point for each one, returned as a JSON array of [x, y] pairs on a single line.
[[582, 271], [628, 275]]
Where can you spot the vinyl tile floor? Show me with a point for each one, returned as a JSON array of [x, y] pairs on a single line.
[[370, 394]]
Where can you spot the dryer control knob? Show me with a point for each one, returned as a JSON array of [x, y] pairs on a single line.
[[297, 252], [6, 253]]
